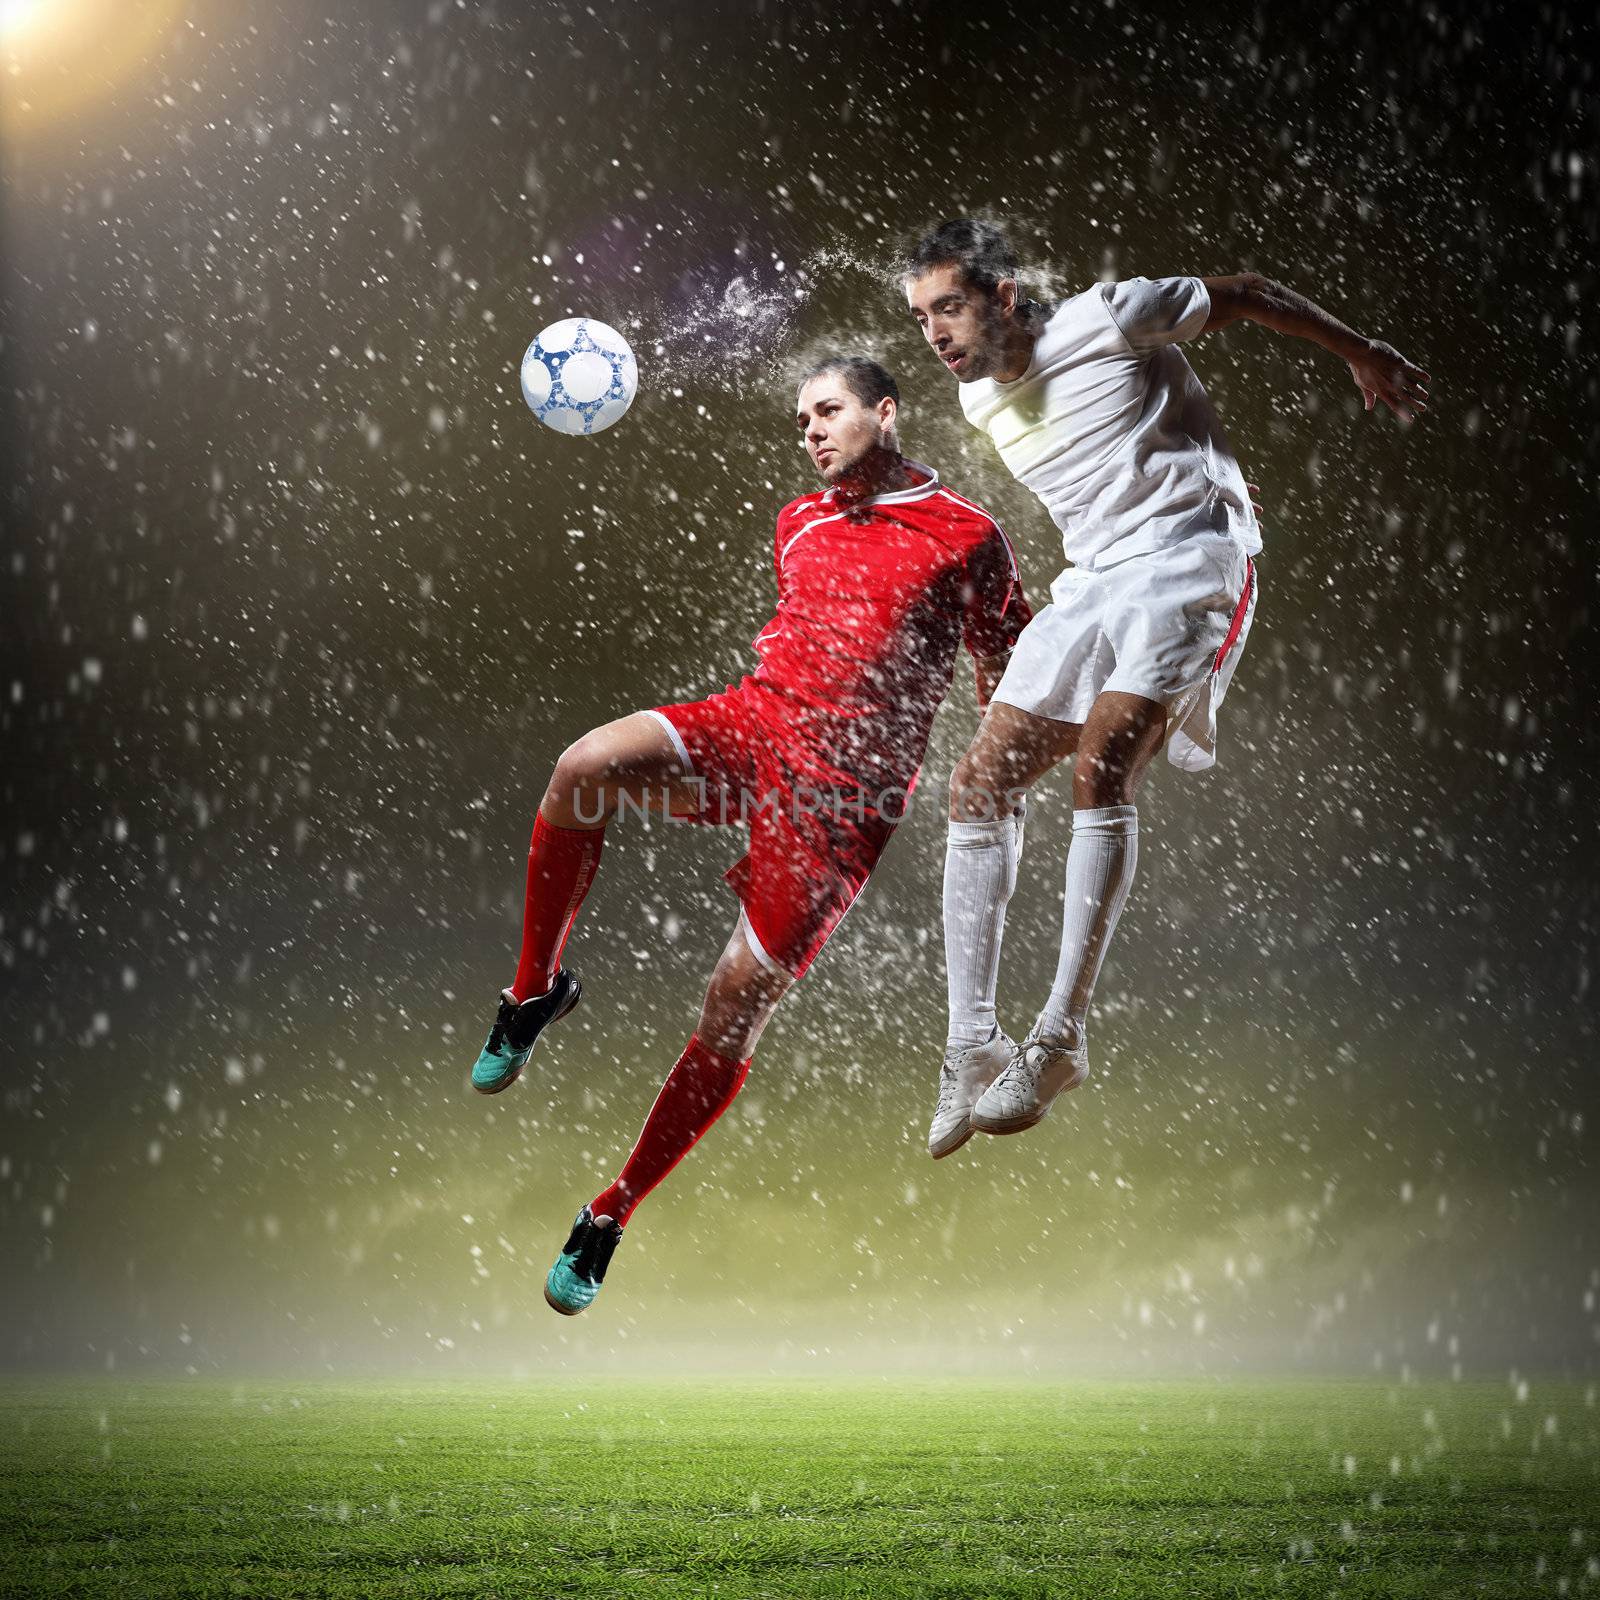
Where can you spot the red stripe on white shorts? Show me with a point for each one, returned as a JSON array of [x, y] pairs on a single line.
[[1238, 613]]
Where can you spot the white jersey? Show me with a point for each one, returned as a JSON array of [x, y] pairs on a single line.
[[1111, 429]]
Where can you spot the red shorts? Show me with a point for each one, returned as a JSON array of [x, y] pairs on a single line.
[[815, 834]]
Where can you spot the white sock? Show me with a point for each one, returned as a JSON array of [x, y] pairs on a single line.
[[980, 871], [1100, 863]]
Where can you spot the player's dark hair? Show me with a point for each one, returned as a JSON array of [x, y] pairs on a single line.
[[979, 249], [864, 378]]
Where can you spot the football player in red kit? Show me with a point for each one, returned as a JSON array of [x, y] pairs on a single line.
[[882, 574]]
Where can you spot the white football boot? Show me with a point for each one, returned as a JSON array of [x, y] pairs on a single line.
[[1023, 1094], [966, 1073]]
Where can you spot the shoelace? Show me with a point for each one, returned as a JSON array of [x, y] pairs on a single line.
[[1033, 1056], [1020, 1073], [1029, 1061]]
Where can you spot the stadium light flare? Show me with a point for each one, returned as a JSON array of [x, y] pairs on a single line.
[[17, 16], [61, 56]]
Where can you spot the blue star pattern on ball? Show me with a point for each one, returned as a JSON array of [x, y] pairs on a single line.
[[579, 376]]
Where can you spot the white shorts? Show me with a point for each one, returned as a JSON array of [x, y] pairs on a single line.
[[1169, 626]]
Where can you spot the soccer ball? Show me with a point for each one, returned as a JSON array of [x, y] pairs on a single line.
[[579, 376]]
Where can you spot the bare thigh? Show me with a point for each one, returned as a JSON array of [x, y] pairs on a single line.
[[629, 759], [1011, 751], [1119, 740]]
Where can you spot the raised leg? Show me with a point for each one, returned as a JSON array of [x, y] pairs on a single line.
[[632, 759]]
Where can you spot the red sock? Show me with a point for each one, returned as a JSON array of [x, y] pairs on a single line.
[[697, 1091], [561, 866]]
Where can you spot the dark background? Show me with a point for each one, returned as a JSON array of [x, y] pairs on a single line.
[[301, 604]]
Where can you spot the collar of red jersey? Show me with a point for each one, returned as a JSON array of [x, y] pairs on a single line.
[[917, 491]]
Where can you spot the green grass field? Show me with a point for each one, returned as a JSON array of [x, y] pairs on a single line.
[[798, 1488]]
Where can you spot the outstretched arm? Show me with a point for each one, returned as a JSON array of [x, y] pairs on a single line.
[[1380, 371]]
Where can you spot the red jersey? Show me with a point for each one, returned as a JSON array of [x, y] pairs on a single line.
[[874, 597]]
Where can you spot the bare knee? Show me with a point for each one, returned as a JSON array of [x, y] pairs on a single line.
[[981, 790], [575, 795], [1097, 782], [971, 795], [1107, 771], [739, 1002]]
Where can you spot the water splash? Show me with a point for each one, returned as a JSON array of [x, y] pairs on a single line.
[[758, 328], [742, 333], [732, 335]]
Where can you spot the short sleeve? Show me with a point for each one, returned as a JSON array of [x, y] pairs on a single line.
[[994, 608], [1155, 311]]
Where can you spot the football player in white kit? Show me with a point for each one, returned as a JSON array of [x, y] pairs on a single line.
[[1092, 406]]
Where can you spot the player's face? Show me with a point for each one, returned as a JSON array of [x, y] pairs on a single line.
[[838, 429], [965, 325]]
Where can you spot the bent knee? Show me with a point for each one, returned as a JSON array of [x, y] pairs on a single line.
[[1101, 780], [979, 791], [742, 980], [582, 767], [741, 997], [1098, 794]]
